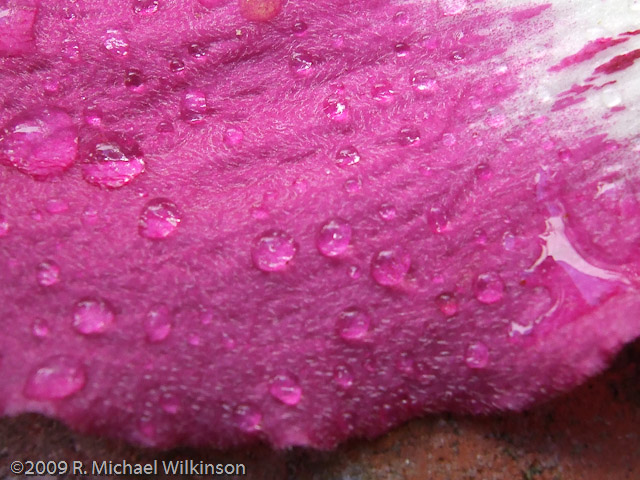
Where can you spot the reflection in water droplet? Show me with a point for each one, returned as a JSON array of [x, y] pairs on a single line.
[[92, 316], [232, 136], [159, 219], [273, 251], [409, 136], [194, 106], [390, 266], [387, 211], [353, 324], [447, 304], [334, 238], [58, 377], [438, 220], [401, 49], [353, 185], [116, 43], [348, 155], [489, 288], [48, 273], [133, 79], [382, 92], [336, 109], [248, 418], [477, 355], [145, 7], [158, 323], [424, 83], [286, 389], [113, 165], [354, 272], [299, 28], [343, 376]]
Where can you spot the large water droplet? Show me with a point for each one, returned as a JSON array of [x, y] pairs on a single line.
[[194, 106], [301, 63], [159, 219], [92, 316], [40, 143], [489, 288], [334, 238], [158, 323], [273, 251], [477, 355], [113, 165], [260, 10], [116, 43], [336, 109], [347, 155], [285, 388], [353, 324], [248, 418], [389, 266], [58, 377], [382, 92], [48, 273]]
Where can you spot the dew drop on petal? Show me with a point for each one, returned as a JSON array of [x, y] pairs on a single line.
[[248, 418], [301, 63], [286, 389], [409, 136], [273, 251], [477, 355], [56, 378], [347, 155], [159, 219], [447, 304], [424, 83], [40, 328], [390, 266], [489, 288], [336, 109], [92, 316], [116, 43], [334, 238], [4, 225], [232, 136], [112, 165], [145, 7], [387, 211], [48, 273], [194, 106], [343, 376], [382, 92], [158, 323], [353, 324]]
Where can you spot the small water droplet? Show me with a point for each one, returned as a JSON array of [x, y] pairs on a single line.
[[159, 219], [301, 63], [4, 225], [334, 238], [58, 377], [112, 165], [145, 7], [353, 185], [176, 65], [387, 211], [483, 172], [41, 142], [285, 388], [336, 109], [92, 316], [354, 272], [382, 92], [116, 43], [438, 220], [401, 49], [194, 106], [390, 266], [337, 40], [409, 136], [48, 273], [55, 206], [480, 236], [165, 126], [353, 324], [343, 376], [194, 340], [489, 288], [232, 136], [40, 328], [90, 215], [424, 83], [347, 155], [447, 304], [248, 418], [158, 323], [197, 51], [477, 355], [299, 28], [71, 50], [401, 18], [133, 79], [273, 251]]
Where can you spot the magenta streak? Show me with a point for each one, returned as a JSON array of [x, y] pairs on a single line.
[[618, 63], [589, 51]]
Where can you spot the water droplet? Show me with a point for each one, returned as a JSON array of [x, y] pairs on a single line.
[[401, 49], [343, 376], [348, 155], [337, 40], [353, 324], [409, 136], [477, 355], [145, 7], [452, 7], [389, 266], [176, 65], [194, 106], [438, 220], [285, 388], [159, 219], [353, 185], [116, 43], [92, 316], [232, 136], [197, 51], [334, 238], [41, 142], [59, 377], [489, 288], [194, 340], [248, 418], [40, 328], [387, 211], [71, 50], [55, 206], [158, 323], [447, 304], [480, 236], [299, 28], [113, 165], [48, 273], [133, 79], [89, 216], [17, 21], [165, 126], [260, 10], [483, 172], [382, 92], [336, 109], [273, 251], [354, 272], [424, 83], [401, 18], [301, 63], [4, 225]]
